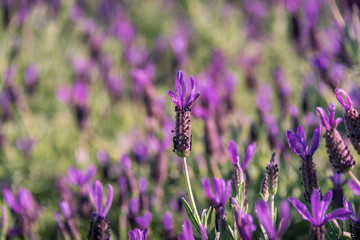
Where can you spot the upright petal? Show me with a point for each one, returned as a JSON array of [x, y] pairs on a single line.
[[109, 200], [97, 194], [348, 103], [192, 93], [180, 88], [325, 205], [302, 134], [301, 209], [233, 152], [205, 182], [264, 216], [187, 232], [331, 113], [173, 98], [11, 201], [315, 141], [250, 151], [316, 205], [285, 217], [296, 144], [324, 118]]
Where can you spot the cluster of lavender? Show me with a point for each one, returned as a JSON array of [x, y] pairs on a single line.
[[146, 192]]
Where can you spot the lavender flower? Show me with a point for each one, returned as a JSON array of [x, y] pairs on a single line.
[[355, 226], [222, 191], [351, 119], [138, 234], [244, 222], [319, 208], [182, 137], [81, 177], [25, 209], [339, 155], [297, 143], [100, 225], [269, 183], [264, 216], [68, 225], [168, 222], [31, 78]]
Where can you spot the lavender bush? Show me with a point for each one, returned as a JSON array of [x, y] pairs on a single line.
[[196, 115]]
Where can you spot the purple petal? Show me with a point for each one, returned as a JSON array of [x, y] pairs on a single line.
[[173, 98], [264, 216], [285, 217], [26, 199], [10, 200], [348, 103], [90, 173], [331, 113], [205, 182], [250, 151], [97, 194], [144, 220], [355, 188], [63, 94], [189, 104], [233, 152], [187, 232], [339, 213], [337, 121], [325, 205], [168, 222], [109, 200], [301, 133], [296, 144], [180, 88], [65, 209], [349, 207], [218, 190], [302, 209], [324, 118], [189, 99], [315, 141], [316, 205]]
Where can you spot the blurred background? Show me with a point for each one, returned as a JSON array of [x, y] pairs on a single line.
[[83, 86]]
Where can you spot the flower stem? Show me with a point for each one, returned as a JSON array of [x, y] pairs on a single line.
[[273, 213], [188, 186], [354, 178]]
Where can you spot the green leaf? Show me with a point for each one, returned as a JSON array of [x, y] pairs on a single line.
[[191, 215]]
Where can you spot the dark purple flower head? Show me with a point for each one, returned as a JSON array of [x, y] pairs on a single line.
[[222, 191], [168, 222], [81, 177], [144, 220], [234, 155], [297, 142], [319, 208], [264, 216], [179, 97], [348, 103], [187, 233], [97, 194], [328, 122], [138, 234], [244, 222], [355, 188]]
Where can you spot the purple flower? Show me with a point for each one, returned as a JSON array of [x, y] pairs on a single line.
[[234, 155], [138, 234], [355, 188], [103, 157], [187, 233], [264, 216], [319, 208], [23, 203], [179, 97], [144, 221], [222, 191], [348, 103], [348, 206], [81, 177], [244, 222], [97, 194], [168, 222], [328, 122], [297, 142]]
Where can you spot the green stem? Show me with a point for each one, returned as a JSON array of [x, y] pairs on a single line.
[[188, 186], [273, 213], [354, 178]]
